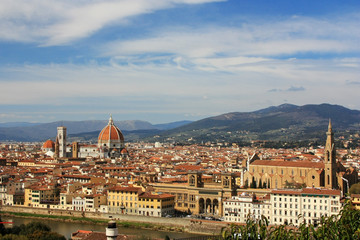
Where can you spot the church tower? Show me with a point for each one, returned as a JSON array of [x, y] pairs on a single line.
[[61, 137], [330, 160]]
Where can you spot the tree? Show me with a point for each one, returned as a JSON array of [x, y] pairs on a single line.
[[355, 188], [345, 225], [2, 228], [31, 231], [246, 185]]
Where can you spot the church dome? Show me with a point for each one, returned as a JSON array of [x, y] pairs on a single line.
[[48, 145], [111, 136]]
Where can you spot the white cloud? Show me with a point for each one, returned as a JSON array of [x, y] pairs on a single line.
[[52, 22], [220, 48]]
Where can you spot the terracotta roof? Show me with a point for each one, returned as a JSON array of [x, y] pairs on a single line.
[[155, 196], [128, 189], [317, 191], [49, 144], [110, 132], [321, 191], [305, 164]]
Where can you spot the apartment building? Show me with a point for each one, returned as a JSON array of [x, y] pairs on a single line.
[[308, 205], [285, 206], [237, 208], [156, 205], [37, 195], [123, 200]]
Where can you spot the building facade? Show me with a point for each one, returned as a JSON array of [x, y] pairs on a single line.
[[289, 207], [329, 174], [199, 197]]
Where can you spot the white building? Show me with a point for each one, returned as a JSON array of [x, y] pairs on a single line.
[[285, 206], [238, 208], [308, 204]]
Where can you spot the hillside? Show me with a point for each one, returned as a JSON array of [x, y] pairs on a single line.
[[282, 123], [277, 123]]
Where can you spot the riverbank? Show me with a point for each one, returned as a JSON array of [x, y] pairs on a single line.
[[128, 221]]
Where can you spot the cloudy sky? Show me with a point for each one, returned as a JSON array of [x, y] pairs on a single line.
[[170, 60]]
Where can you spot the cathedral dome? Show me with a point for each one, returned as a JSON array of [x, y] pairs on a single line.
[[48, 145], [111, 136]]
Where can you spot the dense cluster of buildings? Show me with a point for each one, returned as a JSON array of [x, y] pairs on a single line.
[[287, 186]]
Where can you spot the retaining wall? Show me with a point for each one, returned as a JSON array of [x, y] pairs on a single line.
[[186, 224]]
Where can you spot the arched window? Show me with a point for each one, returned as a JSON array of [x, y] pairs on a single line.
[[192, 180], [226, 182]]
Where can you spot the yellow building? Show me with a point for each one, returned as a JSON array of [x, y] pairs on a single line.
[[156, 205], [123, 200], [36, 196]]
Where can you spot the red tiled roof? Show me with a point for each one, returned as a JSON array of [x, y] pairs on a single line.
[[128, 189], [317, 191], [155, 196], [110, 132], [305, 164]]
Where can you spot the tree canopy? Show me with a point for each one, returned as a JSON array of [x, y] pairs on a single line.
[[346, 225], [30, 231]]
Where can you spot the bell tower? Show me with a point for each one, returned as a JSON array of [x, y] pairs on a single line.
[[330, 160], [61, 137], [194, 179]]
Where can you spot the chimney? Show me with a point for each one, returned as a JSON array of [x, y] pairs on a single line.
[[111, 231]]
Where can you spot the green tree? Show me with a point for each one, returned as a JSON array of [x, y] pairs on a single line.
[[31, 231], [355, 188], [13, 237], [345, 225], [2, 228]]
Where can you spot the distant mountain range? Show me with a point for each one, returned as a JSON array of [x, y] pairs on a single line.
[[286, 122], [88, 129]]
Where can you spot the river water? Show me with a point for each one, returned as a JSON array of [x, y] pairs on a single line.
[[67, 228]]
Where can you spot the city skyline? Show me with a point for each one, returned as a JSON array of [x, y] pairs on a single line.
[[170, 60]]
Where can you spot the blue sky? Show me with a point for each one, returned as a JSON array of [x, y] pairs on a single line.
[[170, 60]]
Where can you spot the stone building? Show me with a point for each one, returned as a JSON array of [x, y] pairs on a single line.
[[329, 173], [199, 197]]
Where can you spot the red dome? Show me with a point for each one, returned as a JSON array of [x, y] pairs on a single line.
[[110, 133], [48, 144]]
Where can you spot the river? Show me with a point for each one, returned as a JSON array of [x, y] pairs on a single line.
[[67, 228]]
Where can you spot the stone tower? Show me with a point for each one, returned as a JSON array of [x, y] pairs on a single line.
[[330, 160], [61, 137], [194, 179]]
